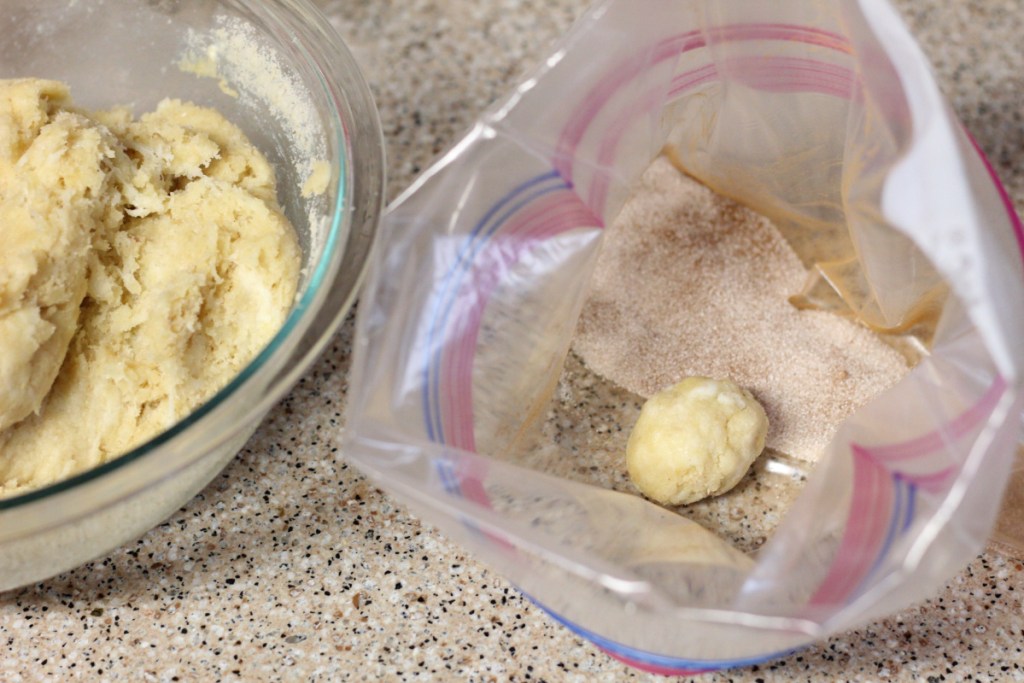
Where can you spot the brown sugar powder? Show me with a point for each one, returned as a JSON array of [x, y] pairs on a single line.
[[692, 283]]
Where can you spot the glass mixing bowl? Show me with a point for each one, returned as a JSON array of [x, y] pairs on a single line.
[[279, 71]]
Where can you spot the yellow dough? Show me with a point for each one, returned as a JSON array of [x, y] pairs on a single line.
[[694, 440], [143, 264]]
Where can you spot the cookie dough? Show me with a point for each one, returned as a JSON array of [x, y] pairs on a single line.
[[694, 440], [144, 263]]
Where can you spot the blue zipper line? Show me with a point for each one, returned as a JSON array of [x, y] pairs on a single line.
[[908, 519], [894, 523], [452, 485], [431, 388], [443, 471], [904, 503], [446, 283], [643, 657]]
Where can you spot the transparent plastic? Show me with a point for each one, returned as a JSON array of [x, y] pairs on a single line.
[[239, 57], [822, 115]]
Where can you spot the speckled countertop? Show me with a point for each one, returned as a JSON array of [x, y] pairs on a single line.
[[290, 566]]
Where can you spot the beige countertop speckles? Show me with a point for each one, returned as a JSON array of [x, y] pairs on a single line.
[[290, 566]]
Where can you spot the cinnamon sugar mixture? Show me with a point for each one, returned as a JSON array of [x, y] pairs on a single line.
[[692, 283]]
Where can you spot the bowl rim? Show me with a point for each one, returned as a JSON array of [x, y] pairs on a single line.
[[310, 302]]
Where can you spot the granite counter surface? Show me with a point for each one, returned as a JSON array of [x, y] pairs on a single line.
[[290, 566]]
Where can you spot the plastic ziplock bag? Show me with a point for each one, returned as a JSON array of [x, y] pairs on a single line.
[[822, 115]]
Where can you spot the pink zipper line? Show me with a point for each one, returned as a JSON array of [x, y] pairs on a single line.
[[871, 510], [669, 48], [1011, 211], [871, 505], [934, 440], [656, 669], [546, 218]]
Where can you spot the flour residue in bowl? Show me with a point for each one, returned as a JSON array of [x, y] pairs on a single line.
[[237, 55], [246, 67]]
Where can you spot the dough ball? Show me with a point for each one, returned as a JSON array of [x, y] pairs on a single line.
[[695, 439]]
